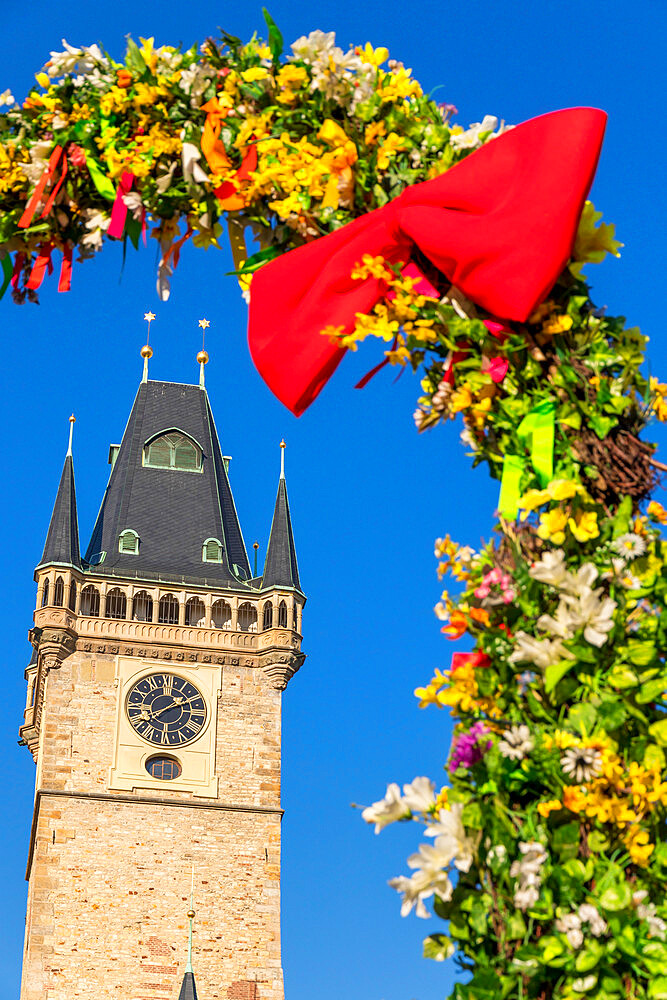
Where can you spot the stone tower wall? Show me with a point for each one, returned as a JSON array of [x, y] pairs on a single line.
[[110, 870]]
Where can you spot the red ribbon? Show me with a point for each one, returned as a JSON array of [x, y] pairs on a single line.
[[39, 268], [37, 194], [65, 282], [119, 210], [500, 226]]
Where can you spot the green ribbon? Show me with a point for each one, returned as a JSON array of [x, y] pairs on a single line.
[[536, 433], [7, 270]]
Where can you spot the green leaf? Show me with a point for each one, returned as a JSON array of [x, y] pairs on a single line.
[[582, 717], [134, 58], [616, 897], [552, 948], [275, 38], [659, 732], [438, 947], [589, 957], [254, 262], [652, 690], [622, 518], [640, 653], [102, 183], [657, 988], [472, 816], [515, 926], [554, 672]]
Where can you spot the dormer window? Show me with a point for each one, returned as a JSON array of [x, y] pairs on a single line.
[[173, 450], [212, 550], [128, 542]]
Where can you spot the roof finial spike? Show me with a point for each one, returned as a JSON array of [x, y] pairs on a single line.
[[202, 357], [191, 917], [72, 421], [147, 350], [282, 458]]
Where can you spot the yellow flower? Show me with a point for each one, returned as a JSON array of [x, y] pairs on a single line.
[[584, 525], [557, 324], [290, 79], [592, 242], [371, 267], [544, 808], [639, 848], [531, 500], [254, 73], [552, 526], [657, 512], [397, 85], [371, 56], [442, 800], [460, 399], [373, 131], [563, 489], [429, 695], [391, 144], [573, 798], [114, 100], [334, 332]]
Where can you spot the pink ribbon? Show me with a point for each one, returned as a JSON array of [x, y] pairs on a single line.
[[119, 210]]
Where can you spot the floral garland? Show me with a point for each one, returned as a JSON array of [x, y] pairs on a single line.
[[553, 815], [554, 812], [288, 147]]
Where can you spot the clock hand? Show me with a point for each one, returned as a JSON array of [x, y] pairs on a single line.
[[177, 702]]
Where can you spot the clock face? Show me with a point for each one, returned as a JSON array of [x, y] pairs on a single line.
[[166, 710]]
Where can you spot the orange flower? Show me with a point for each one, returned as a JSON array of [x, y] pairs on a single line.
[[124, 78], [481, 616], [573, 798], [544, 808], [457, 626]]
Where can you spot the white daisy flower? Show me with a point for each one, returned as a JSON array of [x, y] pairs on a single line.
[[630, 545], [516, 743], [581, 764]]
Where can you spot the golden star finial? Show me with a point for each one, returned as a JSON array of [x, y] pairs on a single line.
[[204, 324], [149, 317]]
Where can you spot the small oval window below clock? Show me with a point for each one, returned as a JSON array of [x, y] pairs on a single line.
[[163, 768]]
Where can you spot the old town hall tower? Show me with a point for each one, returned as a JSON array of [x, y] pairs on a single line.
[[153, 716]]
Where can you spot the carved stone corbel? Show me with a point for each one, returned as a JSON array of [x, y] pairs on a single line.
[[281, 667], [53, 645]]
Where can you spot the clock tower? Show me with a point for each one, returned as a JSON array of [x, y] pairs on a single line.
[[153, 715]]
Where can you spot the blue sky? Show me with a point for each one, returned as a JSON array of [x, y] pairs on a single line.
[[368, 495]]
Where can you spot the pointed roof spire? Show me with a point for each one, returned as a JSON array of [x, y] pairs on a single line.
[[280, 568], [202, 357], [62, 539], [188, 986], [147, 350]]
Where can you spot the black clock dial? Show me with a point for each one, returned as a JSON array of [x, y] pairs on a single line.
[[166, 710]]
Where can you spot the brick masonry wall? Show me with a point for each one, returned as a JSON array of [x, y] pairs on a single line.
[[110, 879]]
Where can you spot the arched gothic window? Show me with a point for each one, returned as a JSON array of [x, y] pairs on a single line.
[[90, 601], [168, 610], [247, 617], [59, 592], [72, 595], [142, 607], [221, 613], [267, 618], [173, 450], [45, 593], [116, 605], [282, 615], [195, 612]]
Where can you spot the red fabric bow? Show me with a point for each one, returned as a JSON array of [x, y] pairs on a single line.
[[500, 225]]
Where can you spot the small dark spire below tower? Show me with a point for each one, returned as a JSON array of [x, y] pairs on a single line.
[[280, 568], [188, 987], [62, 539]]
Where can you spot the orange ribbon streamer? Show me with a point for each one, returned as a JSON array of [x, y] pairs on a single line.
[[228, 193], [211, 147]]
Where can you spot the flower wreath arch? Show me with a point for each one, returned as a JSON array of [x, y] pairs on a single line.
[[553, 814]]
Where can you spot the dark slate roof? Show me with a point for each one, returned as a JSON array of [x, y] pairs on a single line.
[[62, 539], [173, 512], [280, 569], [188, 987]]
